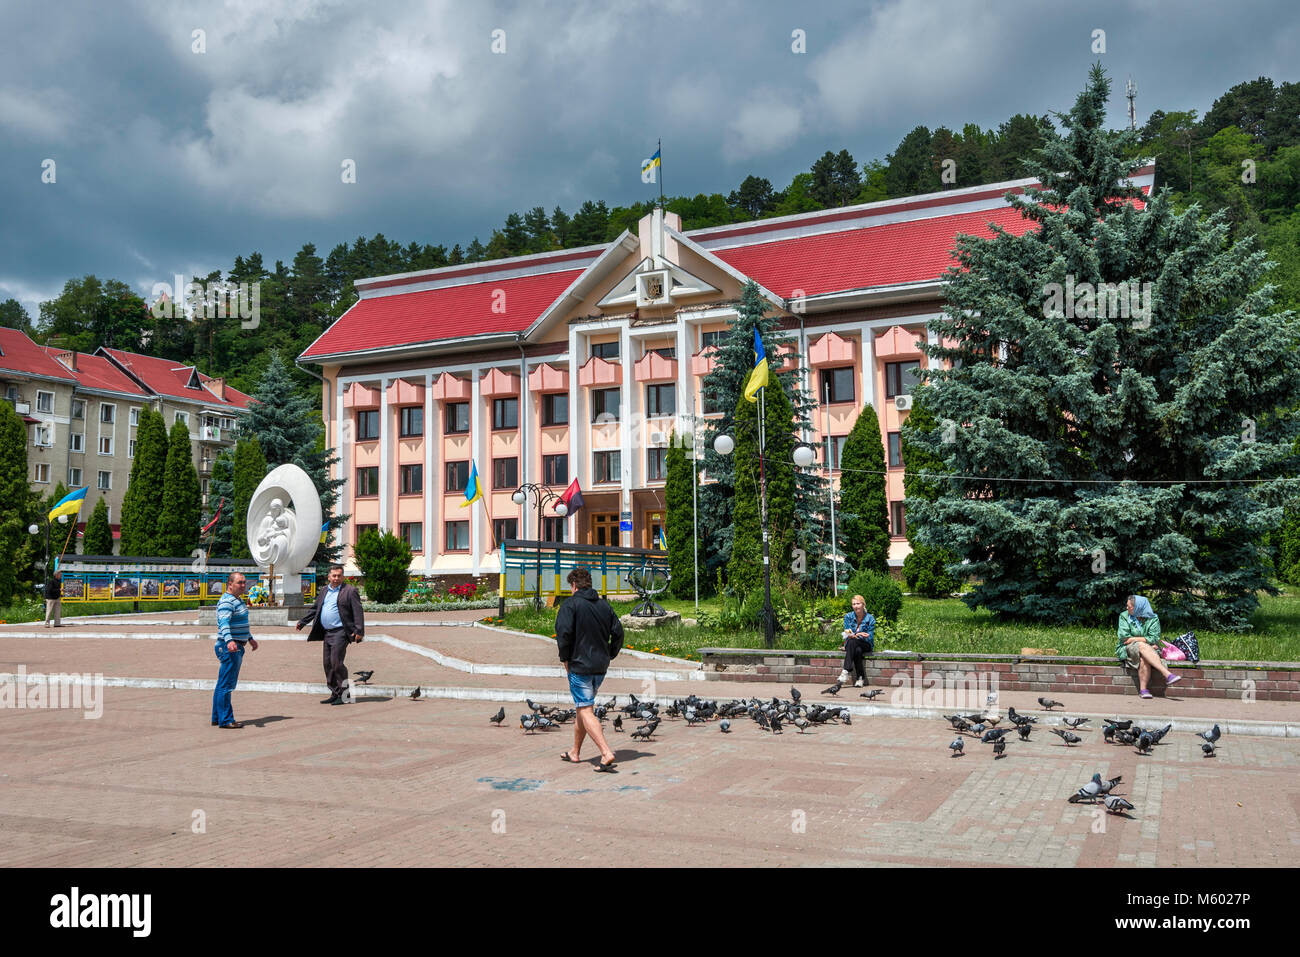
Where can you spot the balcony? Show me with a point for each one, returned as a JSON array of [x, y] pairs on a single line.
[[211, 433], [600, 373], [652, 367]]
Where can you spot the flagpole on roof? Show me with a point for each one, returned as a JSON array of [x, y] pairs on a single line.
[[661, 174]]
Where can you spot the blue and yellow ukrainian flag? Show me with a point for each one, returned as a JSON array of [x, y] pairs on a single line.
[[70, 504], [324, 532], [473, 489], [757, 378], [662, 539], [653, 161]]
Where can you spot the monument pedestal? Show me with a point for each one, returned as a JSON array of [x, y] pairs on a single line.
[[638, 623], [273, 616]]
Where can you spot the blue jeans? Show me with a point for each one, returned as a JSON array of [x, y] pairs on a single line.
[[584, 688], [227, 678]]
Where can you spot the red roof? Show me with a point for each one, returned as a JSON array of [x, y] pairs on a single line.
[[20, 354], [453, 312], [165, 377], [96, 372]]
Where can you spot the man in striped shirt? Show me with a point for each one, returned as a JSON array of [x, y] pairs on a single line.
[[232, 633]]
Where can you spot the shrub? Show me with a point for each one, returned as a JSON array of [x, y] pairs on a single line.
[[923, 570], [385, 563], [881, 593]]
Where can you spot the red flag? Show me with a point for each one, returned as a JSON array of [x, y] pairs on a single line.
[[205, 528], [572, 497]]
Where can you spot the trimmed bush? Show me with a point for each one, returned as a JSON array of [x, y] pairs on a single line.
[[385, 564], [923, 570], [881, 593]]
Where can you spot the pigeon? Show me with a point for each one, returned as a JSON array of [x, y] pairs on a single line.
[[528, 722], [1108, 733], [618, 722], [1144, 743], [834, 689], [498, 717], [870, 695], [1208, 749], [794, 693], [801, 724], [957, 748], [994, 734], [1024, 730], [1093, 789], [846, 717], [1069, 737], [977, 729], [1119, 725], [1020, 718], [1049, 704], [1074, 722], [999, 748], [724, 726], [1117, 805], [1210, 736], [693, 719], [1157, 736], [776, 724], [1106, 786], [961, 726], [955, 719], [643, 733], [415, 695], [363, 676], [1125, 737]]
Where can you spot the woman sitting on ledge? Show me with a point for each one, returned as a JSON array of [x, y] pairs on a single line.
[[1139, 639], [859, 640]]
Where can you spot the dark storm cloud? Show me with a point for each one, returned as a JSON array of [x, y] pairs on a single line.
[[174, 161]]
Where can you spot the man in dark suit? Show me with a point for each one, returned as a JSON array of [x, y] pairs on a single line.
[[336, 619]]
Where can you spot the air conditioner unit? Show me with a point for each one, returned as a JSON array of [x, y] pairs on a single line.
[[903, 403], [23, 408], [658, 438]]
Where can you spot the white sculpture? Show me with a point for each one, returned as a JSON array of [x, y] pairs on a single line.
[[283, 538]]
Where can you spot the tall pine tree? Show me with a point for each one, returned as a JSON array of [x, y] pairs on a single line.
[[221, 495], [864, 527], [178, 523], [98, 539], [249, 469], [17, 508], [144, 490], [678, 499], [926, 568], [1111, 451], [777, 472]]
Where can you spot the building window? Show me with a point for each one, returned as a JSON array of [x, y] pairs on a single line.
[[552, 529], [227, 423], [362, 529], [665, 352], [505, 413], [604, 405], [457, 416], [457, 536], [107, 413], [555, 470], [661, 399], [368, 425], [78, 408], [412, 479], [44, 401], [183, 418], [211, 422], [837, 449], [837, 385], [897, 524], [656, 464], [505, 473], [555, 408], [43, 472], [504, 528], [709, 405], [105, 445], [78, 441], [709, 339], [368, 481], [606, 467], [895, 450], [130, 448], [412, 421], [605, 350], [413, 534], [74, 478], [205, 488], [105, 481], [457, 477], [133, 417], [901, 378]]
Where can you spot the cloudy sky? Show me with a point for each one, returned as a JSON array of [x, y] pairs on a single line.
[[174, 150]]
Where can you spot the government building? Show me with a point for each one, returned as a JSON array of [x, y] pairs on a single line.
[[581, 363]]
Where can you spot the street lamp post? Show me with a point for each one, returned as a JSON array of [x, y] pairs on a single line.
[[34, 529], [542, 495]]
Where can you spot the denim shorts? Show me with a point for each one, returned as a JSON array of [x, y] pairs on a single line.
[[584, 688]]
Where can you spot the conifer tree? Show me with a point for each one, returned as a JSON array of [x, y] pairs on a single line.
[[864, 525], [679, 530], [1129, 440], [17, 508], [926, 568], [249, 469], [745, 565], [98, 539], [144, 490], [221, 495], [178, 523]]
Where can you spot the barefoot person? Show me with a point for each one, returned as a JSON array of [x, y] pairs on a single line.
[[583, 628], [1139, 640], [232, 633]]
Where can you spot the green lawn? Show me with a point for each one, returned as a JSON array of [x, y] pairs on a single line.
[[948, 626], [35, 611]]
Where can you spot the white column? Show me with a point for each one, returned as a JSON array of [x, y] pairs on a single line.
[[526, 454], [343, 442], [625, 432], [385, 451], [683, 378], [476, 447], [869, 366], [577, 423], [431, 540]]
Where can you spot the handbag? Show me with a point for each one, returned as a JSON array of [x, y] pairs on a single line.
[[1171, 652], [1189, 646]]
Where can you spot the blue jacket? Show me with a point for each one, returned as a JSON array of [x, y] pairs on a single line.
[[851, 624]]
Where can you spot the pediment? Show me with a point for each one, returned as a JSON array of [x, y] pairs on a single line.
[[637, 287]]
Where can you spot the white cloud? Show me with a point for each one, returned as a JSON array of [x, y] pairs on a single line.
[[46, 114], [764, 124]]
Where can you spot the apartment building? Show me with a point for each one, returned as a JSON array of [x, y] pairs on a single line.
[[82, 410], [580, 363]]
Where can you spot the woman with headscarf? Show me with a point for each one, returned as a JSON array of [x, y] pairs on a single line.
[[1139, 638]]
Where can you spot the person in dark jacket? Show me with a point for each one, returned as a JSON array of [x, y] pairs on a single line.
[[54, 599], [583, 627], [335, 619]]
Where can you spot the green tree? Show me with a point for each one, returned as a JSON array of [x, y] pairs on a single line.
[[144, 490], [98, 539], [178, 521], [221, 495], [249, 468], [17, 508], [754, 197], [14, 316], [777, 470], [926, 567], [864, 519], [385, 562], [678, 498], [835, 179], [1076, 424]]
